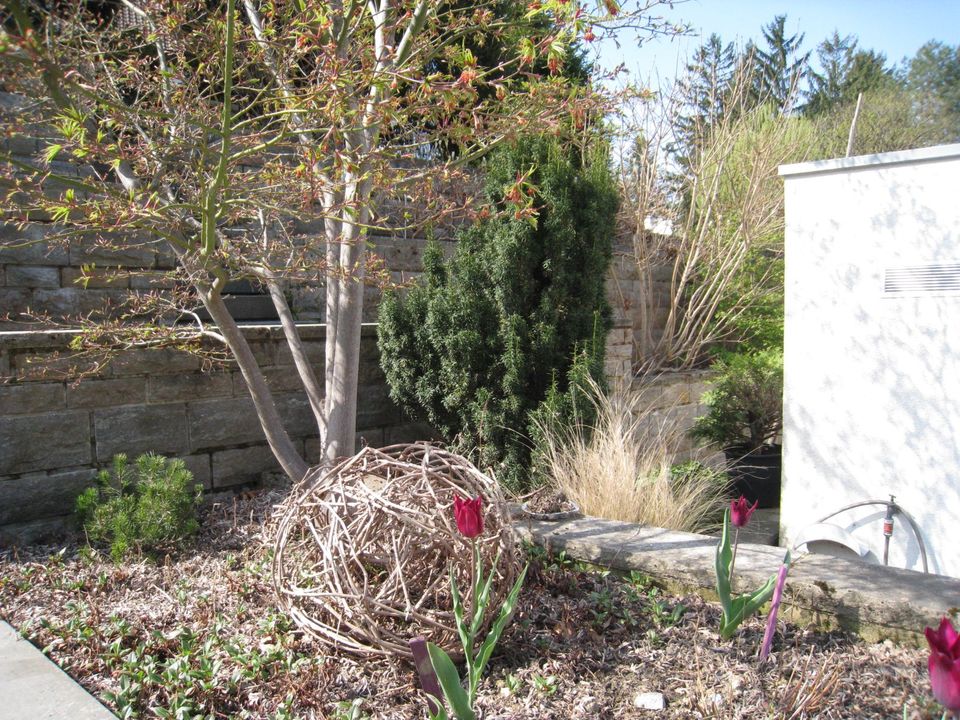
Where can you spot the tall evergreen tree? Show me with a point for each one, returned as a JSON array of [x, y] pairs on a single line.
[[779, 69], [846, 71], [933, 75]]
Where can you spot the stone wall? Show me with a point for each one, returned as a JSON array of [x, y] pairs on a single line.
[[55, 435], [677, 396]]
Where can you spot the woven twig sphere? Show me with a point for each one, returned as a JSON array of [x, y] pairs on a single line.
[[363, 550]]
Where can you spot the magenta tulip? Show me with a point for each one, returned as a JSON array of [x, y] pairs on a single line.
[[469, 515], [740, 511], [944, 664]]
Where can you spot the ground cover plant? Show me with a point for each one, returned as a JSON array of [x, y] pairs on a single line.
[[197, 633]]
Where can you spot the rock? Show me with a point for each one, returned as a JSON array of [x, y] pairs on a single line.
[[649, 701]]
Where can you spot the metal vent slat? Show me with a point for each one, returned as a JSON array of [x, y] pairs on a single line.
[[922, 279]]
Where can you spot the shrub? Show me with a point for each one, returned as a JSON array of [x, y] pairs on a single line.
[[147, 506], [745, 404], [624, 467], [477, 346]]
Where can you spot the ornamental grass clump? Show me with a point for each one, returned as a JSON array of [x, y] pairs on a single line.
[[148, 506], [623, 465]]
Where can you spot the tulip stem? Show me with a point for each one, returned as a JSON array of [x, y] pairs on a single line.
[[733, 560]]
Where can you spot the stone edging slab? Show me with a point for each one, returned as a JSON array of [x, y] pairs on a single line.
[[872, 601]]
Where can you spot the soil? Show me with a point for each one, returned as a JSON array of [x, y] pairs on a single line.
[[197, 632]]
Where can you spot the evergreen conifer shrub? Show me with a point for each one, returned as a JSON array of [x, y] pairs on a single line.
[[148, 505], [483, 340]]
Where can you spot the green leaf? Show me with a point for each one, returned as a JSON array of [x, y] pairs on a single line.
[[490, 642], [450, 683], [466, 639], [723, 559]]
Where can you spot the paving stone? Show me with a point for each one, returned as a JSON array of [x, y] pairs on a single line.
[[137, 429], [31, 398], [43, 442], [38, 496], [110, 392]]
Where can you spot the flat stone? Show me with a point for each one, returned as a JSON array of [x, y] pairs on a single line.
[[30, 398], [199, 467], [31, 686], [137, 429], [44, 442], [649, 701], [162, 362], [110, 392], [35, 497], [874, 601]]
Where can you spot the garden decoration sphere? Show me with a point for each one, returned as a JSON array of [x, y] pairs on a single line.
[[363, 550]]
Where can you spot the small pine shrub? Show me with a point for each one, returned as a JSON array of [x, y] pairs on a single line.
[[147, 506]]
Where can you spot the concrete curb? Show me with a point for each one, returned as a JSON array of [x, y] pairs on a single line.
[[872, 601], [34, 688]]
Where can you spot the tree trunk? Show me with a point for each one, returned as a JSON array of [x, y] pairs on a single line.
[[291, 462]]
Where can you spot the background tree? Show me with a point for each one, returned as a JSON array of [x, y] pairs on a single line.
[[211, 126], [780, 69], [476, 346], [933, 76]]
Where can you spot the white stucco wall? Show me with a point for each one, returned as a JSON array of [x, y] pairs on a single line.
[[872, 379]]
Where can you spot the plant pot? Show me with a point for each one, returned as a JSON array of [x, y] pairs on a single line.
[[571, 514], [756, 474]]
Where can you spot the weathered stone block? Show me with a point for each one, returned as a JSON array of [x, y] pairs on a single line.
[[375, 408], [199, 465], [31, 398], [189, 386], [29, 246], [233, 467], [409, 432], [38, 496], [313, 349], [131, 251], [32, 276], [161, 362], [138, 429], [111, 392], [222, 423], [42, 442], [96, 278]]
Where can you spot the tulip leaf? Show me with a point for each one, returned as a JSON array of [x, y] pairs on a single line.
[[466, 639], [486, 650], [723, 560], [483, 598], [450, 683]]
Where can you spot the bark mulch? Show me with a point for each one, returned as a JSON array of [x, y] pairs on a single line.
[[197, 634]]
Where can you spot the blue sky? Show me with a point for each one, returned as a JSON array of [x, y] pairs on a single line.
[[896, 29]]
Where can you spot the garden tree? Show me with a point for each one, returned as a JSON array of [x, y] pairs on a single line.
[[705, 93], [846, 73], [933, 76], [780, 68], [210, 126], [477, 346], [725, 239]]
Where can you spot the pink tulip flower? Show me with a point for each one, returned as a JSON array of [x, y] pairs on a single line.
[[469, 516], [740, 511], [944, 664]]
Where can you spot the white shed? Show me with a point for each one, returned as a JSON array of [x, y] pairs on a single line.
[[872, 354]]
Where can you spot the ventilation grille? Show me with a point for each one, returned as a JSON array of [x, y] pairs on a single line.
[[922, 280]]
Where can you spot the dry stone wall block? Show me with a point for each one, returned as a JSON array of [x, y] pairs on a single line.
[[44, 442], [137, 429]]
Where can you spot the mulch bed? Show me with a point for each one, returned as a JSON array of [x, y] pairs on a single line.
[[198, 632]]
